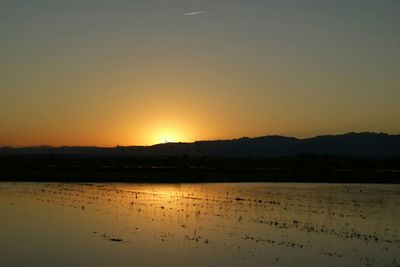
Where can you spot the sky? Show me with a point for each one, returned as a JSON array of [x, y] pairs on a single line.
[[139, 72]]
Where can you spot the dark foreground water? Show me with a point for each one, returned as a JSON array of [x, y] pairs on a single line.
[[263, 224]]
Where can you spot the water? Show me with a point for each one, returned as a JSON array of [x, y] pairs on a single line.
[[255, 224]]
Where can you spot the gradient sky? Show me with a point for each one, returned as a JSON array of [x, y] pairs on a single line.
[[96, 72]]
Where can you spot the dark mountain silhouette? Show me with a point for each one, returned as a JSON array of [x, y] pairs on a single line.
[[368, 145]]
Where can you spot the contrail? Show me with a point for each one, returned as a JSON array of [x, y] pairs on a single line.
[[195, 13]]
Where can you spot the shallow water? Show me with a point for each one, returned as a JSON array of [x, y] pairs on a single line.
[[254, 224]]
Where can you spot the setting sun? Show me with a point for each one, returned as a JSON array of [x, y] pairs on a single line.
[[171, 134], [167, 137]]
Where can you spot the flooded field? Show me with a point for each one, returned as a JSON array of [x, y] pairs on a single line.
[[254, 224]]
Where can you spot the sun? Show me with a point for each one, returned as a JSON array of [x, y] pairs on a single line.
[[167, 136], [165, 132]]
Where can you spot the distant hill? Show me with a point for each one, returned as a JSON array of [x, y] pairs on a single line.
[[369, 145]]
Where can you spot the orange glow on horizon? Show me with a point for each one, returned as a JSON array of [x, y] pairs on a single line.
[[166, 136], [165, 131]]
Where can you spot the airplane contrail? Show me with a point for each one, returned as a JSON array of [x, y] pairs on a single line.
[[195, 13]]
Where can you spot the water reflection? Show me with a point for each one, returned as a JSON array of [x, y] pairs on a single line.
[[199, 225]]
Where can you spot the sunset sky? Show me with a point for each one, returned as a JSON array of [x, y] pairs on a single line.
[[138, 72]]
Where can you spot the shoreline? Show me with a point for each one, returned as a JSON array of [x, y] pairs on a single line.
[[303, 168], [167, 176]]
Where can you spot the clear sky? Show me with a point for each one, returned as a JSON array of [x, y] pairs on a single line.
[[96, 72]]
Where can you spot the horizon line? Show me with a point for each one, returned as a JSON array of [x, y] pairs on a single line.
[[192, 142]]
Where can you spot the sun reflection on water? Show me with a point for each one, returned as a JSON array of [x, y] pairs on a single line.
[[203, 224]]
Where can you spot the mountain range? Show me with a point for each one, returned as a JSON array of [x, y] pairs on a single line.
[[369, 145]]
